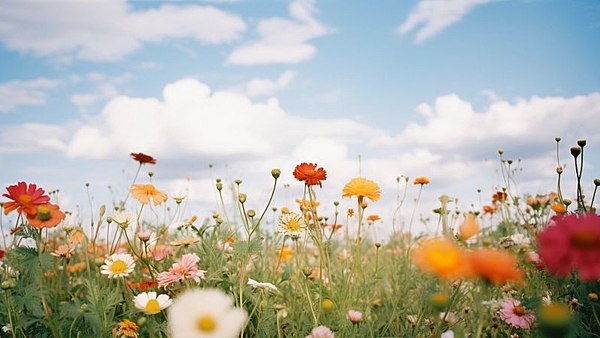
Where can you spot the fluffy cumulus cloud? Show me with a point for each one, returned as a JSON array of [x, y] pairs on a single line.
[[283, 40], [30, 93], [81, 29], [266, 86], [433, 16]]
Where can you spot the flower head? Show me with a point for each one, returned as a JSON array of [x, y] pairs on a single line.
[[205, 313], [354, 316], [362, 187], [187, 267], [261, 285], [118, 265], [150, 303], [291, 224], [515, 314], [310, 174], [25, 198], [47, 216], [321, 332], [495, 266], [572, 243], [143, 158], [123, 219], [145, 192], [469, 227], [442, 257], [421, 180], [126, 328]]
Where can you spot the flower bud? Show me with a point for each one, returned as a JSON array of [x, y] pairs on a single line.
[[581, 143], [275, 173], [575, 151], [251, 213], [242, 198]]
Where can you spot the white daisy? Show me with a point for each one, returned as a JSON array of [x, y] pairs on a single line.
[[123, 219], [260, 285], [150, 303], [205, 313], [118, 265], [291, 224]]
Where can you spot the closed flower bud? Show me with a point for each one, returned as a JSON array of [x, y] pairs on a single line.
[[242, 198], [581, 143], [251, 213], [597, 181], [575, 151], [275, 173], [307, 271]]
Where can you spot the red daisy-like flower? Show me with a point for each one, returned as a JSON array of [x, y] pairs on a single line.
[[310, 174], [25, 198], [572, 243], [143, 158]]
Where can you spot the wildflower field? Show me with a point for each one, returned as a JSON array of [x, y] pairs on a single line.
[[522, 266]]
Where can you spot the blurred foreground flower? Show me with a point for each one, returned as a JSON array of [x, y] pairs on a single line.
[[205, 313], [145, 192], [25, 198], [310, 174], [572, 243], [495, 266], [442, 257]]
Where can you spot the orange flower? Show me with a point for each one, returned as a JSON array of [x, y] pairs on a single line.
[[495, 266], [350, 212], [25, 198], [143, 193], [126, 328], [310, 174], [63, 250], [76, 267], [47, 216], [469, 227], [559, 208], [489, 209], [285, 253], [442, 257], [373, 218], [143, 158], [362, 187], [421, 180]]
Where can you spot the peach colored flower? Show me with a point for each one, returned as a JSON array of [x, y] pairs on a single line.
[[145, 192], [47, 216], [469, 227], [186, 268]]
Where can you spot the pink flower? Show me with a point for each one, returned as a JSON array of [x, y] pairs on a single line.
[[572, 243], [321, 332], [354, 316], [515, 314], [161, 251], [187, 267], [144, 235]]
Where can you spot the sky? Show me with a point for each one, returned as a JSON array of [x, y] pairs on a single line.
[[232, 89]]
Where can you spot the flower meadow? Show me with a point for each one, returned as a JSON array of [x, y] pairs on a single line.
[[522, 266]]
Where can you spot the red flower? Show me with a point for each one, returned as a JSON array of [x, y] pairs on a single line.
[[25, 198], [47, 216], [143, 158], [572, 243], [310, 174]]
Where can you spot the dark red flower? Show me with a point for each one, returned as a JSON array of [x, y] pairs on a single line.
[[25, 198], [310, 174], [143, 158]]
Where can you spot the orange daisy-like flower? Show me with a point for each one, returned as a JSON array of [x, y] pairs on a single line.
[[144, 192], [362, 187], [25, 198], [421, 180], [373, 218], [47, 216], [310, 174], [126, 328], [469, 228], [489, 209], [495, 266], [143, 158], [442, 257]]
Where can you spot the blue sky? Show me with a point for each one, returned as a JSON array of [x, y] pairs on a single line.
[[416, 88]]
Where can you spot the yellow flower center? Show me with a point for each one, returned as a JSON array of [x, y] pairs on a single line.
[[293, 225], [43, 213], [118, 267], [25, 199], [152, 306], [206, 324], [585, 239]]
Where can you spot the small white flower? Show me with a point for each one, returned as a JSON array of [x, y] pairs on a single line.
[[206, 313], [520, 239], [150, 303], [259, 285], [291, 224], [123, 219], [118, 265]]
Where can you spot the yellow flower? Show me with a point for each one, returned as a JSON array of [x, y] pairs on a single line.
[[442, 257], [126, 328], [362, 187], [469, 227], [143, 193]]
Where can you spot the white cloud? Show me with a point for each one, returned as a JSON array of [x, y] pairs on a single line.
[[266, 86], [33, 137], [105, 89], [436, 15], [283, 40], [107, 30], [29, 93]]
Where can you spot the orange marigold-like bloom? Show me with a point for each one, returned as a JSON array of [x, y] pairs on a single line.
[[421, 180], [126, 328], [469, 228], [310, 174], [559, 208], [143, 158], [25, 198], [143, 193], [47, 216], [362, 187], [499, 196], [495, 266], [373, 218], [489, 209], [442, 257], [350, 212]]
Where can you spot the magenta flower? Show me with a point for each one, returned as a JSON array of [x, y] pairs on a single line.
[[572, 243], [515, 314], [187, 267]]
